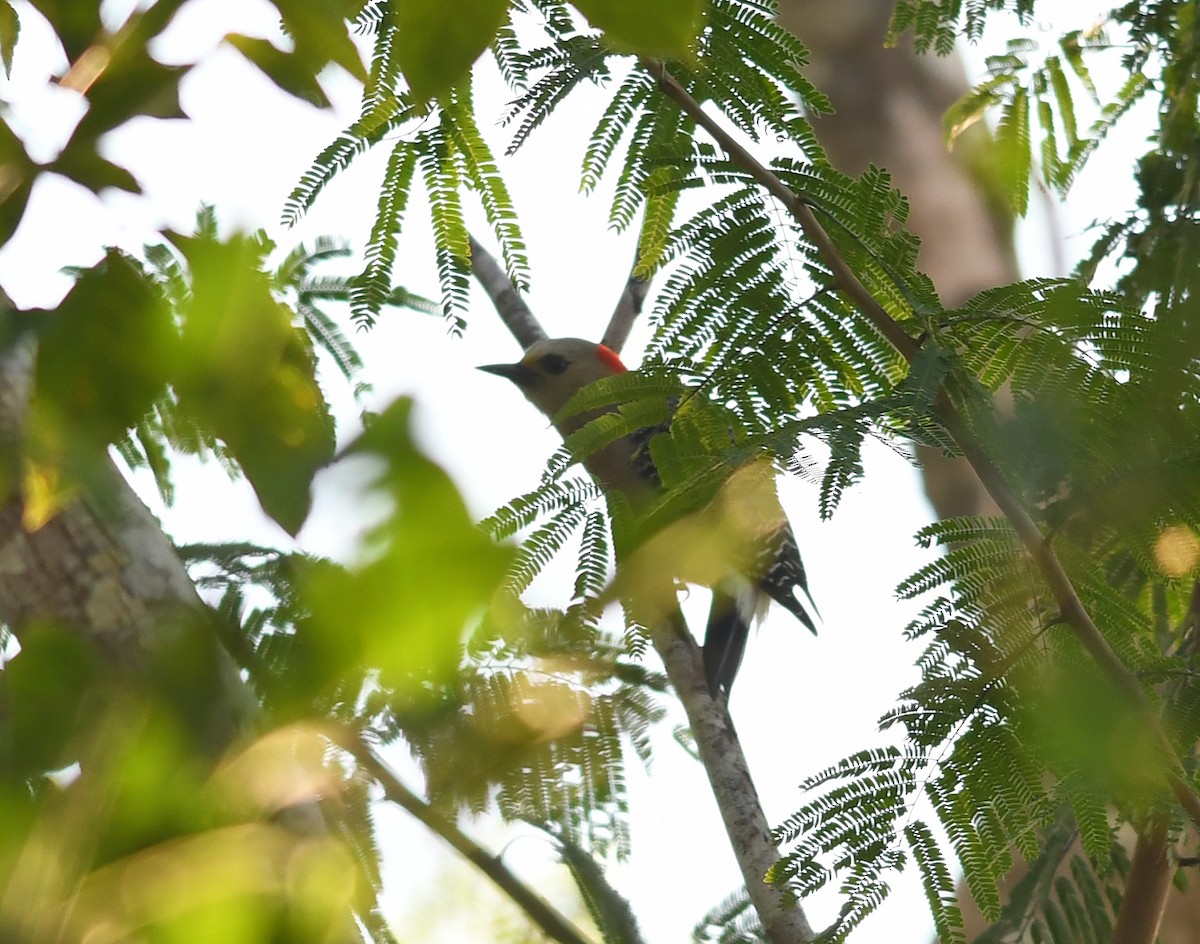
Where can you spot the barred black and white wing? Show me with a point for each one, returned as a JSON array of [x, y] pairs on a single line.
[[783, 574], [780, 574]]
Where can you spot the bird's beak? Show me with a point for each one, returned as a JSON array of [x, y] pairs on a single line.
[[518, 373]]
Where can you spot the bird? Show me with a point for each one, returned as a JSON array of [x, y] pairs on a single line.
[[551, 372]]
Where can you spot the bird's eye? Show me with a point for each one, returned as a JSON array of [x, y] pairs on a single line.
[[554, 363]]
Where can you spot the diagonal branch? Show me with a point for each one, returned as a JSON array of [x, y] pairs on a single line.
[[551, 922], [629, 306], [512, 309], [1074, 613], [844, 279]]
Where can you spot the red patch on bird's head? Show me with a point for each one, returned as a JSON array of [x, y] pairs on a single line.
[[608, 356]]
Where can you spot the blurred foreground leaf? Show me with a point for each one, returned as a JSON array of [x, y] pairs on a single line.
[[248, 375], [104, 355], [430, 573], [438, 42], [663, 28], [44, 691], [284, 69]]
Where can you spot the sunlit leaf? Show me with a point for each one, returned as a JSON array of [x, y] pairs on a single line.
[[239, 884]]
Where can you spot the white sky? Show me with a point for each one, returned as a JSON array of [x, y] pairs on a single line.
[[243, 149]]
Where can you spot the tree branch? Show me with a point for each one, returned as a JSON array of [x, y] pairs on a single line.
[[551, 922], [629, 306], [844, 278], [1145, 896], [729, 776], [508, 302], [102, 568], [1073, 612]]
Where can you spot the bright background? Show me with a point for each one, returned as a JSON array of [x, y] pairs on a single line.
[[800, 703]]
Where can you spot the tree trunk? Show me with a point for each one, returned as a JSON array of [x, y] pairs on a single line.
[[102, 568]]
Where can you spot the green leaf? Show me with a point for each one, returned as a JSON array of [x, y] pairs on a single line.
[[89, 169], [248, 375], [104, 355], [666, 29], [320, 31], [437, 42], [17, 173], [10, 30], [1013, 150], [440, 168], [1028, 895], [431, 573], [286, 70], [1063, 99], [1072, 50], [77, 24], [937, 881], [972, 106], [484, 177], [1094, 830], [608, 908], [131, 84], [369, 291], [44, 690]]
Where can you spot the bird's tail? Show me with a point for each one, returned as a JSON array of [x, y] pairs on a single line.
[[788, 601], [725, 638]]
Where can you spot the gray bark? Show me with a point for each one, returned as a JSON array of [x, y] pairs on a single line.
[[102, 567]]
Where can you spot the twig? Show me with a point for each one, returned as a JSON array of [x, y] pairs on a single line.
[[539, 911], [844, 278], [1074, 613], [553, 924], [508, 303], [629, 306]]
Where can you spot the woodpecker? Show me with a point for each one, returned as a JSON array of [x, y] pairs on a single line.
[[550, 374]]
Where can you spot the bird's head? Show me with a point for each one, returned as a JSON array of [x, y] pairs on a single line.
[[554, 370]]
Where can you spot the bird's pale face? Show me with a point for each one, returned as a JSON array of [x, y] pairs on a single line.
[[554, 370]]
